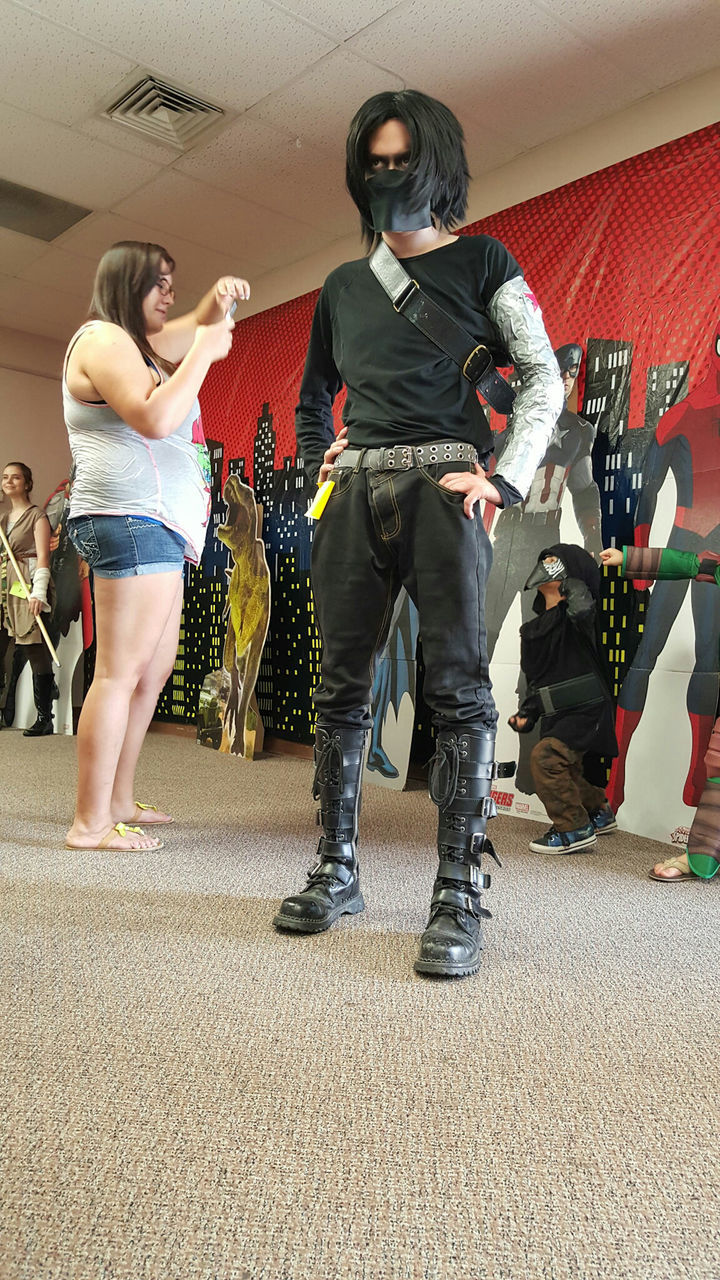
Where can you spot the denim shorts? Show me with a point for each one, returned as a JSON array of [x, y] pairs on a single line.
[[124, 546]]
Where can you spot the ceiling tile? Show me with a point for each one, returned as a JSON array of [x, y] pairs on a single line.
[[196, 269], [661, 40], [45, 311], [484, 148], [54, 159], [275, 169], [520, 69], [16, 250], [321, 103], [58, 269], [221, 221], [341, 17], [124, 138], [232, 53], [53, 72]]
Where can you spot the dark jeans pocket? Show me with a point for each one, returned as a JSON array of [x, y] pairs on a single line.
[[344, 478], [434, 473]]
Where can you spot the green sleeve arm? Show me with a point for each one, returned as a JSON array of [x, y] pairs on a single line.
[[657, 563]]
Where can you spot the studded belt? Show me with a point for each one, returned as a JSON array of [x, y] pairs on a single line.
[[401, 457]]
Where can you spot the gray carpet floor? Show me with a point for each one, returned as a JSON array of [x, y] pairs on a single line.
[[187, 1095]]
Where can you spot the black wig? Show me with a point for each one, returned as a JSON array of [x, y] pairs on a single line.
[[438, 165]]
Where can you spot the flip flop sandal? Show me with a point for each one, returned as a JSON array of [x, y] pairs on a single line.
[[120, 829], [678, 865]]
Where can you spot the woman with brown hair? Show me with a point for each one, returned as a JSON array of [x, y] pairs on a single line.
[[139, 507], [27, 530]]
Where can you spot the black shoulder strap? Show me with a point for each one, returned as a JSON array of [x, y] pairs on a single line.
[[472, 358]]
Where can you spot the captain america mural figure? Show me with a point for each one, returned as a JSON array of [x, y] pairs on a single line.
[[687, 444]]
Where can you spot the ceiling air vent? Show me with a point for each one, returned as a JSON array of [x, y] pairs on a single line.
[[163, 113]]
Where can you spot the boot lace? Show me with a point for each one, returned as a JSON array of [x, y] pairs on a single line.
[[444, 772], [329, 768]]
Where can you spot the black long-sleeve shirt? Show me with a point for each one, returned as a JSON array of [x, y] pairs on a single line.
[[400, 387]]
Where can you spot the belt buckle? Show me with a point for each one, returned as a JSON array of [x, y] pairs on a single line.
[[402, 300], [480, 347]]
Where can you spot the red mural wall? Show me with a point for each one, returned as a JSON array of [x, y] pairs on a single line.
[[630, 252]]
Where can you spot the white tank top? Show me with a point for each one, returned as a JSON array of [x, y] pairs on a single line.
[[119, 472]]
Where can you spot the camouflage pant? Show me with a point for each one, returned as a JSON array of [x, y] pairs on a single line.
[[567, 795]]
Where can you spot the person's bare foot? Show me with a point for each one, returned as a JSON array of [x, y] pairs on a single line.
[[673, 869], [147, 815], [119, 839]]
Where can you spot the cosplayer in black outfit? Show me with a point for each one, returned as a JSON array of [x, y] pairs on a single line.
[[407, 489], [568, 692]]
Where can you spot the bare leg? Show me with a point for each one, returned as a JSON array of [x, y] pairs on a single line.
[[142, 707], [131, 616]]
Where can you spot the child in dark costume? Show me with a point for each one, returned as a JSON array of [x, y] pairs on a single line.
[[701, 859], [569, 693]]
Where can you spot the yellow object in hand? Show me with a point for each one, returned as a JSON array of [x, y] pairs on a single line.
[[319, 502]]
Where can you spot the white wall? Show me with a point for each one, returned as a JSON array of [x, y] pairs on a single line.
[[31, 419]]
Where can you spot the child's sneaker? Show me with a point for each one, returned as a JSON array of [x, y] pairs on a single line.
[[604, 820], [555, 841]]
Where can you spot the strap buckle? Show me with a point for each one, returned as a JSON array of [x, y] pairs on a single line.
[[403, 298], [469, 370]]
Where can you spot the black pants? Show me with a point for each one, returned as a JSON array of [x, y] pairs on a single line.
[[381, 530], [37, 655]]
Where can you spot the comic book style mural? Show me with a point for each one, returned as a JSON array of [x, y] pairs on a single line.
[[228, 717], [625, 264]]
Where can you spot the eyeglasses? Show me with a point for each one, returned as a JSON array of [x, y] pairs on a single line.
[[166, 289]]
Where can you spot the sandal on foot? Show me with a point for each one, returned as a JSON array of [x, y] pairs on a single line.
[[120, 829], [147, 810], [680, 863]]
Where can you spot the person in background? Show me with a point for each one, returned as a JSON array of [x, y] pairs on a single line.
[[28, 532], [568, 692], [139, 507], [701, 859]]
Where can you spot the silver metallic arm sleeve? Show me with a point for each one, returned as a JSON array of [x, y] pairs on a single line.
[[516, 315]]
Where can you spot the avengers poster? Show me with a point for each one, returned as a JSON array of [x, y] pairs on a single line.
[[624, 263]]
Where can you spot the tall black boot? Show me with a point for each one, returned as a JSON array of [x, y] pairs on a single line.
[[333, 887], [42, 689], [16, 670], [461, 776]]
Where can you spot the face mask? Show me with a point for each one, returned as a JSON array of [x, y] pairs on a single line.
[[391, 208], [551, 569]]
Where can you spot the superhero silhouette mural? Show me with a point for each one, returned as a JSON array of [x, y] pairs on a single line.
[[393, 699], [685, 448]]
